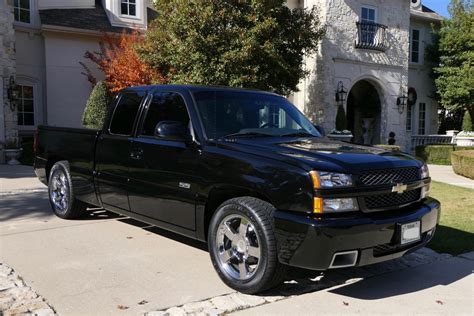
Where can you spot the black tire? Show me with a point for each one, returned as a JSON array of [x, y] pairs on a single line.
[[61, 194], [269, 272]]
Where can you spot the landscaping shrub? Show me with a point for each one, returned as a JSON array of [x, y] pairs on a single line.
[[389, 147], [467, 122], [463, 163], [437, 154], [96, 107]]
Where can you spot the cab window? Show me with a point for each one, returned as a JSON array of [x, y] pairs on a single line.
[[125, 113], [165, 106]]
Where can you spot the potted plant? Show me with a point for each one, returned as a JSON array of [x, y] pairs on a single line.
[[12, 152], [341, 132], [466, 136]]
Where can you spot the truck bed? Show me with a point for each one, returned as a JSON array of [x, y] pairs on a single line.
[[77, 146]]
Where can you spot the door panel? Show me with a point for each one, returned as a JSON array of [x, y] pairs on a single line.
[[113, 152], [162, 171], [113, 158], [162, 183]]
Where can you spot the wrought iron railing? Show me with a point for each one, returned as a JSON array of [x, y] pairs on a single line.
[[371, 36]]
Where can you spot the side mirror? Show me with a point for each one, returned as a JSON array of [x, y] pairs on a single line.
[[320, 129], [172, 130]]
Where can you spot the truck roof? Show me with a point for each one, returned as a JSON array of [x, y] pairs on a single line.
[[195, 88]]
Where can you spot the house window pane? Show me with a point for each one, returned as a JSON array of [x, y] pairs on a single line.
[[415, 46], [132, 10], [21, 11], [421, 119], [124, 8], [368, 15], [409, 117], [29, 119], [128, 7], [26, 106]]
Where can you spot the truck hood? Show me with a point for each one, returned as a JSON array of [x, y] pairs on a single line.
[[322, 153]]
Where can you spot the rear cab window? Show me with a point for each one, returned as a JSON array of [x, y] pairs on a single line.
[[125, 113]]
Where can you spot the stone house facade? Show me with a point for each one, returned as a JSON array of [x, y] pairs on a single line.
[[374, 51], [8, 120]]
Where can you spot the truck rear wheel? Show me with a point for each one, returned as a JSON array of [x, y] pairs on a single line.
[[61, 195], [242, 245]]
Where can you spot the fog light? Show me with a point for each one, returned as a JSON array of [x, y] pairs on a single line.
[[425, 191]]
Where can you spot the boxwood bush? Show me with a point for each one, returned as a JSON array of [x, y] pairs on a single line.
[[437, 154], [389, 147], [463, 162]]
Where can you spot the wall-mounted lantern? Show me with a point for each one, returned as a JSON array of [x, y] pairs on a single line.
[[13, 93], [401, 101], [341, 93]]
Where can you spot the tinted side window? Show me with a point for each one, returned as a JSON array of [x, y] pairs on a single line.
[[125, 113], [165, 106]]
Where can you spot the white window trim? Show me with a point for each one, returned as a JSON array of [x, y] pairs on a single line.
[[37, 103], [420, 46], [418, 118], [128, 16], [32, 14], [370, 7]]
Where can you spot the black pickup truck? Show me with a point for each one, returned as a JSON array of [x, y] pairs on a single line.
[[246, 172]]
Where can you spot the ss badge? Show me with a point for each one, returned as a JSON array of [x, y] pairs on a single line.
[[184, 185]]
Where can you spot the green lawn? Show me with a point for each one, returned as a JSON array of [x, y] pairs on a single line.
[[455, 233]]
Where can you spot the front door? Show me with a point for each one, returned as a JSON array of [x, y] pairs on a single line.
[[113, 152], [162, 171]]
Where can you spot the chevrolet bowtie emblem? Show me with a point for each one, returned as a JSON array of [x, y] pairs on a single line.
[[399, 188]]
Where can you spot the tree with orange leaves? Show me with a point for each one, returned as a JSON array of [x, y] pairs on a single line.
[[121, 64]]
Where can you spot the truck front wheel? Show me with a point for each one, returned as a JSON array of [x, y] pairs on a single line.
[[61, 195], [242, 245]]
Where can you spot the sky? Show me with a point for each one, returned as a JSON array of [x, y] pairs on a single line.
[[440, 6]]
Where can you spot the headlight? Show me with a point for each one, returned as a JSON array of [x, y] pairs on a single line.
[[425, 173], [323, 179]]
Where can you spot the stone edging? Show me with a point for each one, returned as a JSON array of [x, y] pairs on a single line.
[[16, 297]]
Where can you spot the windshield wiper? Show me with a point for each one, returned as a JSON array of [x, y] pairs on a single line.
[[247, 134], [298, 134]]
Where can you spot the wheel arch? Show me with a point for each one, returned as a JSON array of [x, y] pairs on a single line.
[[219, 194], [50, 163]]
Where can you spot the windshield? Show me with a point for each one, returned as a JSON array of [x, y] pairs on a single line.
[[240, 113]]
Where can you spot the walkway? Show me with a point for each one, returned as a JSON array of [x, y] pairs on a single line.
[[446, 174]]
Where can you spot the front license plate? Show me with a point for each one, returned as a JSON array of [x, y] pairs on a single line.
[[410, 232]]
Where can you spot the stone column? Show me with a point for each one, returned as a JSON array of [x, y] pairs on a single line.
[[8, 118]]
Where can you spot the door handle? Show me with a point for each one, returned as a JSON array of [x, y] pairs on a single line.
[[136, 153]]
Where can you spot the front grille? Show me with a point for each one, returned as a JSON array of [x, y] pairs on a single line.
[[390, 176], [391, 199]]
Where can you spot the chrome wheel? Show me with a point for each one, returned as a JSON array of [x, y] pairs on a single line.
[[59, 192], [238, 247]]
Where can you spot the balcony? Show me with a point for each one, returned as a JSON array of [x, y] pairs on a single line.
[[371, 36]]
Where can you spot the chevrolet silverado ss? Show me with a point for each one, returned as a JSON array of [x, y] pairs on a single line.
[[247, 173]]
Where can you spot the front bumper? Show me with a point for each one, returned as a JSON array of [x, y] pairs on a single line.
[[308, 242]]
